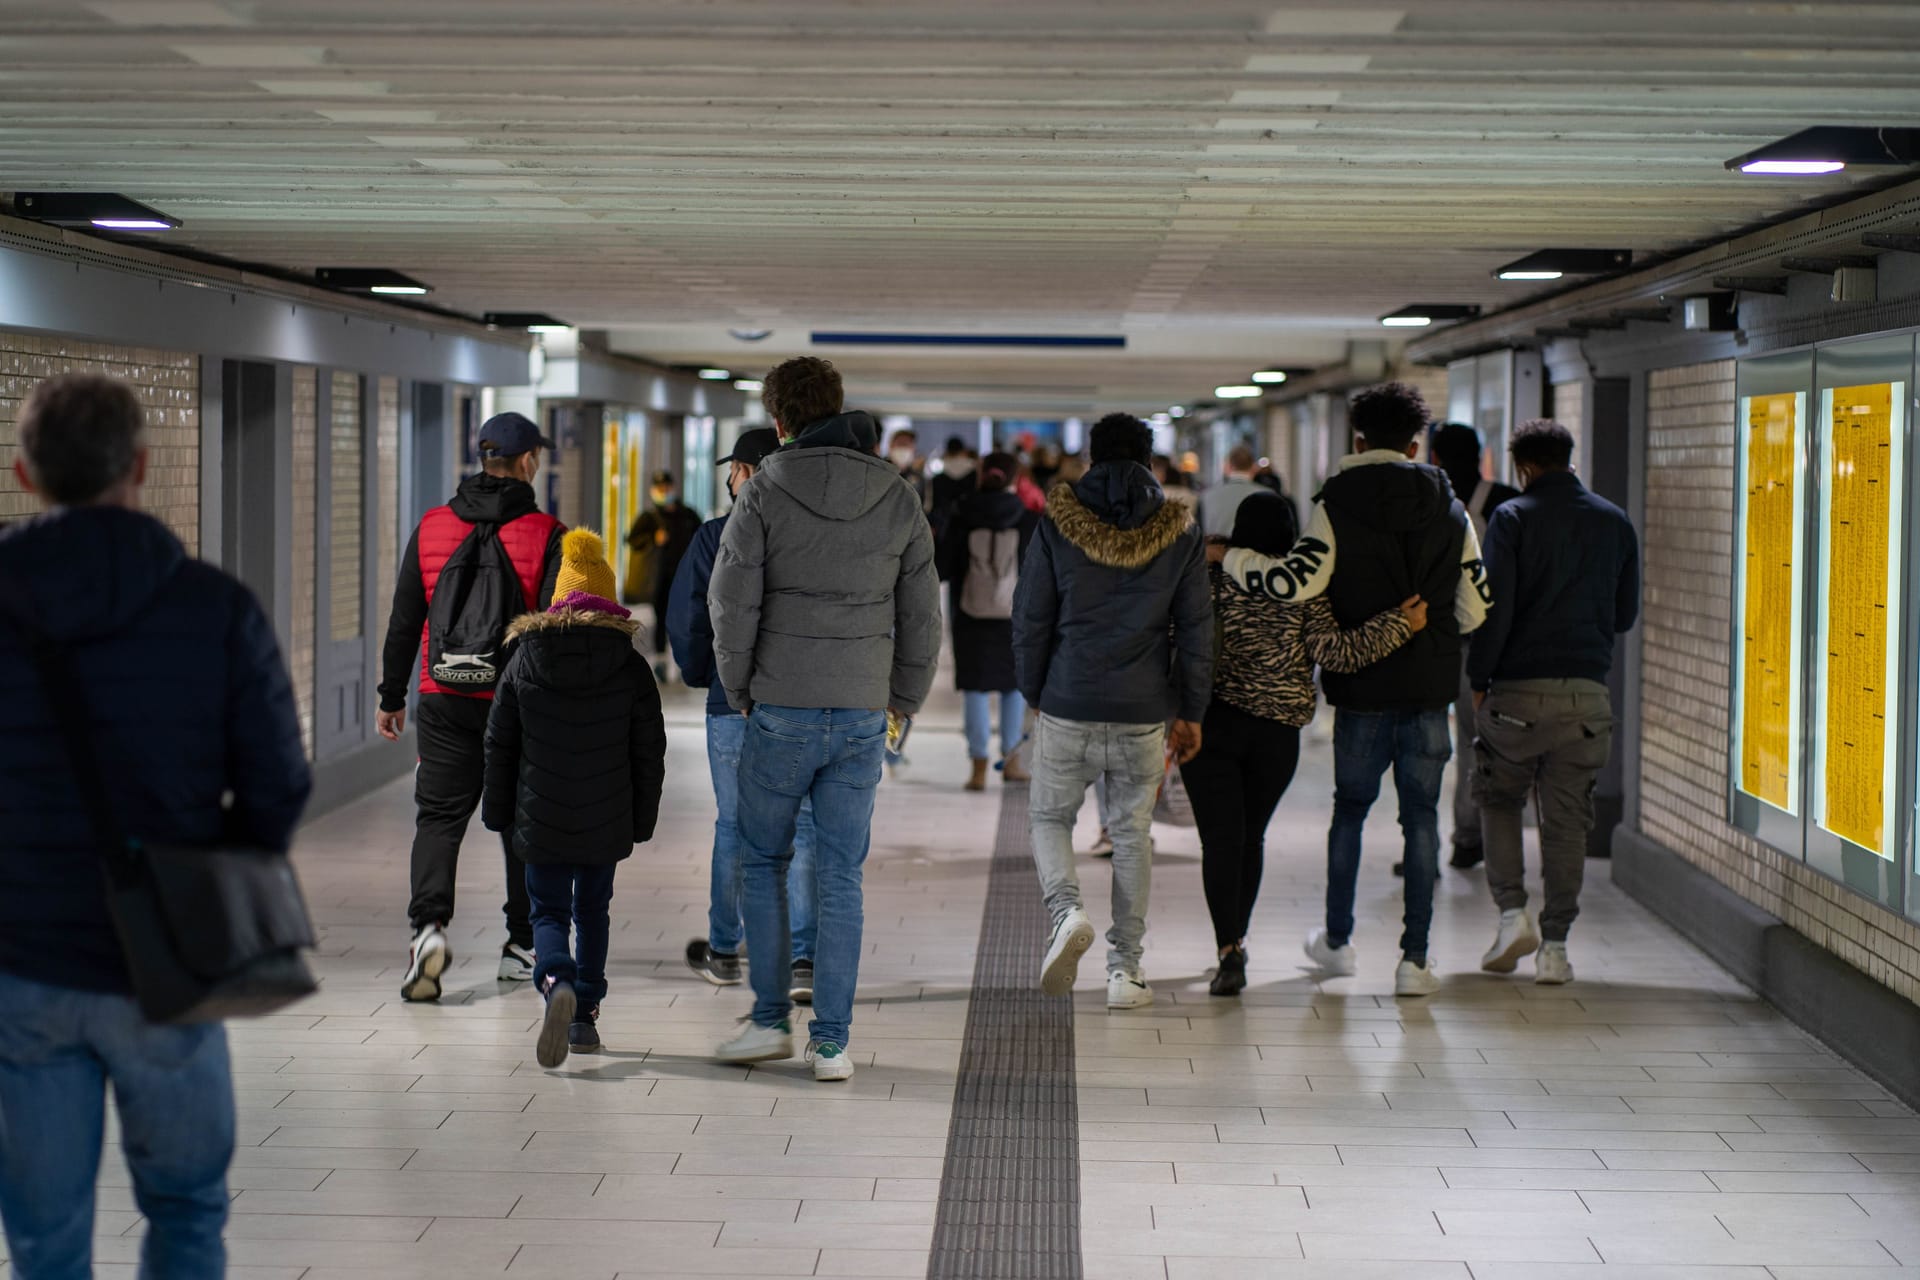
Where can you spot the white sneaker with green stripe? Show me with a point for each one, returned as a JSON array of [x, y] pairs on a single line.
[[830, 1061]]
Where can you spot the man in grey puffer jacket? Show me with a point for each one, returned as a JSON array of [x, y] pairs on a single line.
[[825, 610]]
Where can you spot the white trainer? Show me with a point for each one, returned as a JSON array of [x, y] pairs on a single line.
[[1517, 937], [1338, 962], [1551, 967], [427, 959], [758, 1044], [1071, 938], [516, 963], [1128, 989], [831, 1062], [1412, 979]]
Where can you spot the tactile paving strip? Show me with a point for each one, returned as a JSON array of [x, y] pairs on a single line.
[[1010, 1191]]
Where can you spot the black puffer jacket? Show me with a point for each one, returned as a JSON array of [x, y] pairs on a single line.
[[576, 747], [1113, 620]]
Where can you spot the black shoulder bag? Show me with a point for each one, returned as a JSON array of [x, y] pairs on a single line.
[[207, 933]]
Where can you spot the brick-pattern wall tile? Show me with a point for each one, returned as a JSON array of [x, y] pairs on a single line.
[[1686, 684], [346, 457], [306, 512], [387, 516], [168, 385]]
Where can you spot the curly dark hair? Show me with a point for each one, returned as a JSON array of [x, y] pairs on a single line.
[[1390, 415], [800, 392], [1120, 437], [1541, 442]]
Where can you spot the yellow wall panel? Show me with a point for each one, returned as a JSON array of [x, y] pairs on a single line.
[[1767, 669]]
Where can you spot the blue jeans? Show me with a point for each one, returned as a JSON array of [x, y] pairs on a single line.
[[977, 708], [563, 893], [833, 756], [1067, 756], [1417, 746], [59, 1051], [725, 734]]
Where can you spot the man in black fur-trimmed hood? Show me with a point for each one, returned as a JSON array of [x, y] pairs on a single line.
[[1112, 638]]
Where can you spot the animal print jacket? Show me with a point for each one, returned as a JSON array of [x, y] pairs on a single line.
[[1269, 648]]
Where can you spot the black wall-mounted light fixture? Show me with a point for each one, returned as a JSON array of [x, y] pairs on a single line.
[[1831, 148], [535, 320], [104, 210], [1419, 315], [370, 280], [1551, 264]]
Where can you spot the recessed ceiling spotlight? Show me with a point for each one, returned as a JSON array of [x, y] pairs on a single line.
[[715, 375], [1421, 314], [102, 209], [746, 384], [1238, 393], [1831, 148], [536, 321], [1177, 411], [369, 280], [1551, 264], [1269, 377]]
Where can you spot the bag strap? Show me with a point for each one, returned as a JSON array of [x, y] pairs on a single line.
[[55, 670]]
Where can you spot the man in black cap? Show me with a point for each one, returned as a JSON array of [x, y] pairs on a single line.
[[498, 555], [716, 957]]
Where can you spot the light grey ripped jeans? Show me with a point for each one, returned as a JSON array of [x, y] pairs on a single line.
[[1069, 754]]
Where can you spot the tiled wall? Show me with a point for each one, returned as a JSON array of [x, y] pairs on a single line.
[[1686, 671], [346, 460], [168, 384], [306, 494], [387, 514]]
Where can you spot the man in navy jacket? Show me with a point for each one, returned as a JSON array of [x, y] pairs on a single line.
[[180, 686], [716, 957], [1565, 572]]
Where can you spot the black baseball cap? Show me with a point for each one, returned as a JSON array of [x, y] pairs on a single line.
[[508, 435], [752, 447]]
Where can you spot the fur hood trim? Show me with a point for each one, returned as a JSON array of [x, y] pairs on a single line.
[[1109, 545], [531, 623]]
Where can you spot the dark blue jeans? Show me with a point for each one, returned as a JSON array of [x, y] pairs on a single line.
[[567, 893], [60, 1050], [1416, 746]]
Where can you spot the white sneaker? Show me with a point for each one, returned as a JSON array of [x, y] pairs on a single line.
[[1551, 967], [1338, 962], [1412, 979], [1517, 937], [830, 1061], [1071, 938], [516, 963], [1127, 989], [1102, 845], [426, 961], [758, 1044]]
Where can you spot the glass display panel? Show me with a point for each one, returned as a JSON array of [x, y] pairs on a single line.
[[1768, 602]]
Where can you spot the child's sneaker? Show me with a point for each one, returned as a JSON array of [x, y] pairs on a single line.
[[800, 988], [830, 1061], [720, 970], [583, 1034], [426, 960], [758, 1044], [551, 1049]]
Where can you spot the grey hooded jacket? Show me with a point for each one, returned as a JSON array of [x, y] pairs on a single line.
[[824, 592]]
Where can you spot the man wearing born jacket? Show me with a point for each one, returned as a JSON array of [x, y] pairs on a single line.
[[453, 722], [180, 688]]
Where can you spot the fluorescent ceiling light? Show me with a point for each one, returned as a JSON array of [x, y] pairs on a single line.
[[1831, 148], [1419, 315], [746, 384], [397, 288], [1407, 322], [369, 280], [1237, 393], [715, 375], [1177, 411], [1552, 264], [106, 210], [1531, 275], [1270, 376]]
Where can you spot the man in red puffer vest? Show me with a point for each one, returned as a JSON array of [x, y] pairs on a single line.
[[453, 721]]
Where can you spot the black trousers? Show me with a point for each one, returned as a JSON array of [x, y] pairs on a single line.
[[446, 791], [1235, 783]]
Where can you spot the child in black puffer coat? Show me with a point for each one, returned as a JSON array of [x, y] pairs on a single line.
[[576, 754]]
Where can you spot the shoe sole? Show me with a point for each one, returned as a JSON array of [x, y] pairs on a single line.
[[1057, 978], [765, 1055], [832, 1079], [1138, 1003], [711, 976], [1328, 968], [595, 1047], [1423, 992], [552, 1048], [801, 995], [1539, 981], [425, 985], [1509, 960]]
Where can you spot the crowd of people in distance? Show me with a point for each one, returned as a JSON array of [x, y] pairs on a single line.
[[1121, 624]]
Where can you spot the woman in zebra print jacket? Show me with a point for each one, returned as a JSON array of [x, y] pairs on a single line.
[[1263, 695]]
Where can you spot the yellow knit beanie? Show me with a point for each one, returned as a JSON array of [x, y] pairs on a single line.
[[584, 566]]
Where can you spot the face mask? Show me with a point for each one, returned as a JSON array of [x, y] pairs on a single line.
[[662, 497], [902, 457]]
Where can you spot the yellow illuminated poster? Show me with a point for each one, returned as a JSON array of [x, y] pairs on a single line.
[[610, 466], [1860, 460], [1769, 619]]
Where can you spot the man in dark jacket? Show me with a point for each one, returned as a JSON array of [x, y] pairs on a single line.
[[1565, 570], [1385, 528], [1112, 637], [716, 957], [657, 544], [826, 616], [186, 700], [453, 717]]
